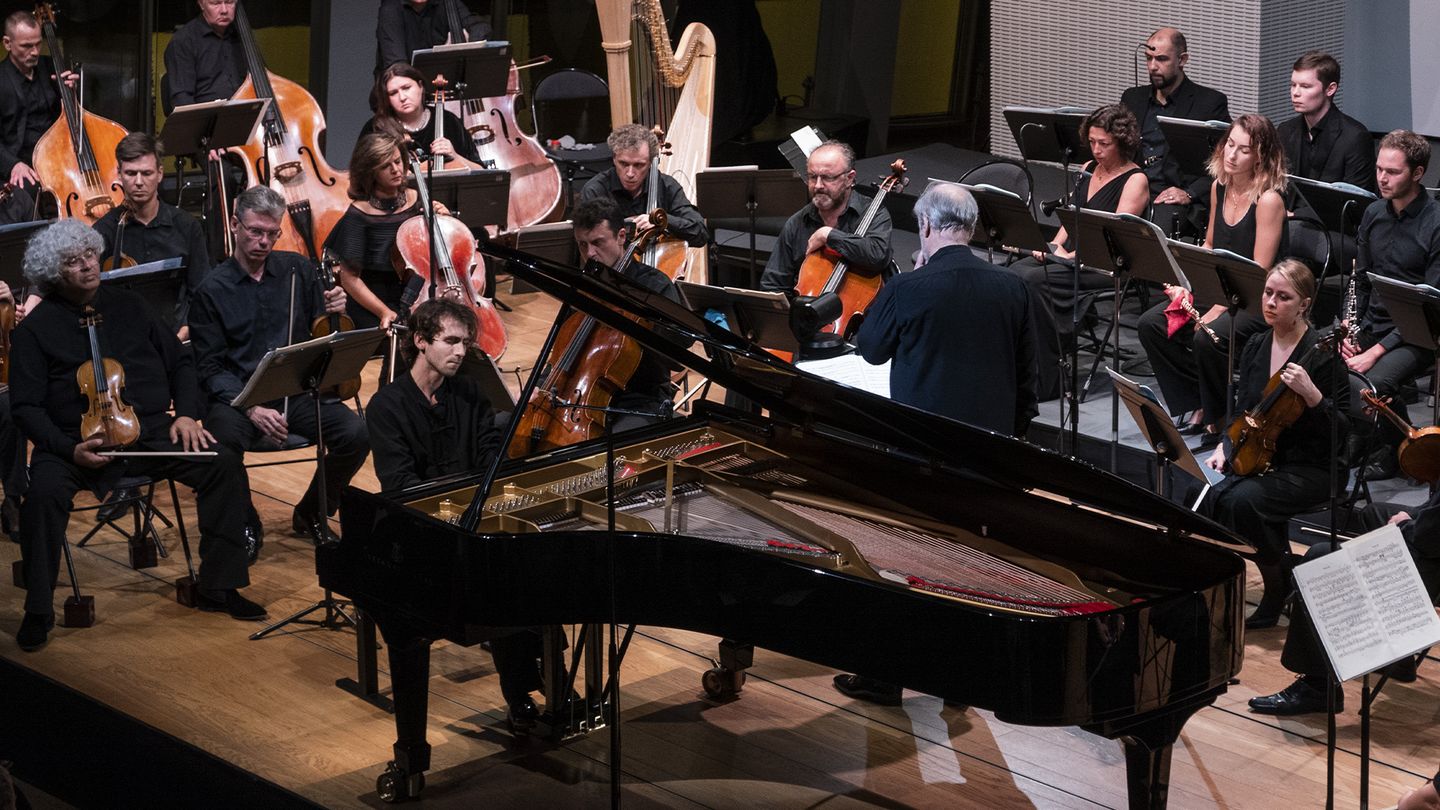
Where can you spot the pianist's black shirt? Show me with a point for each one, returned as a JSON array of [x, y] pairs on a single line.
[[413, 441]]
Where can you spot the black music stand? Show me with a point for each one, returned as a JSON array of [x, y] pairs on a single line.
[[1337, 206], [1191, 143], [1049, 134], [311, 368], [749, 192], [1221, 277], [157, 282], [1159, 432], [13, 239], [476, 197], [1004, 221], [759, 316], [1415, 309], [472, 69], [195, 129]]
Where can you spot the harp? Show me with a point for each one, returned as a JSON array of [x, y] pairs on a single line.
[[651, 85]]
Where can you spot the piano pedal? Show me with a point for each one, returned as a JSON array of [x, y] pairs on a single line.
[[80, 611]]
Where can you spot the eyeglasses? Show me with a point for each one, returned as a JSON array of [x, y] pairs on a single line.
[[827, 179], [79, 261], [262, 233]]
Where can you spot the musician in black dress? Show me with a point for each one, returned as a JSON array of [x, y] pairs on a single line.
[[49, 345], [1259, 506], [627, 184], [1113, 183], [403, 27], [1247, 218], [205, 60], [398, 103]]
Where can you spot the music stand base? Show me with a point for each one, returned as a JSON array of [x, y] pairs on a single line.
[[335, 617]]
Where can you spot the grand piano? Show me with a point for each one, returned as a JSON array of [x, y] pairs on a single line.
[[840, 527]]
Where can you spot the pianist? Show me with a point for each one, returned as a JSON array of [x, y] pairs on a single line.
[[433, 422]]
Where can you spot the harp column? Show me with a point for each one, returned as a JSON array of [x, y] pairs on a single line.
[[615, 39]]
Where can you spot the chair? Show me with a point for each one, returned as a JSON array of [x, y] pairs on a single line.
[[1005, 173], [139, 507], [576, 103]]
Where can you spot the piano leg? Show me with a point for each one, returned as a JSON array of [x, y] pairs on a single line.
[[727, 677], [1147, 752], [404, 777]]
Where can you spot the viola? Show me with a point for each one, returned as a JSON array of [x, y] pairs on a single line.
[[826, 276], [1254, 434], [287, 156], [102, 381], [534, 179], [332, 322], [75, 158], [117, 258], [1419, 450]]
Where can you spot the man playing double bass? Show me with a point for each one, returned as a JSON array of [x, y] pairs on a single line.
[[627, 184], [48, 348], [403, 27], [29, 100], [205, 60]]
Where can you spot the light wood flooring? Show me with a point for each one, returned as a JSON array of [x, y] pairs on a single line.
[[271, 707]]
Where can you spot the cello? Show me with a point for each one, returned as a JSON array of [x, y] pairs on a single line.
[[75, 158], [665, 253], [1253, 434], [826, 276], [436, 265], [534, 179], [1419, 450], [286, 156]]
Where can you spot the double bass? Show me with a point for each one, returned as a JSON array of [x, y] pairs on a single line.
[[287, 156], [75, 158], [1254, 434], [534, 179]]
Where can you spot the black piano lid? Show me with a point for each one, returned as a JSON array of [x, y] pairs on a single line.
[[839, 411]]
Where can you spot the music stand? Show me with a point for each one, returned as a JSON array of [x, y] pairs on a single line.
[[759, 316], [157, 282], [1337, 207], [473, 69], [1415, 309], [1004, 221], [1049, 134], [13, 239], [1221, 277], [749, 192], [476, 197], [311, 368], [1159, 432], [548, 240], [195, 129], [1191, 143]]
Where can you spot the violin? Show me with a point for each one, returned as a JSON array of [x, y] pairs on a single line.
[[1419, 450], [75, 158], [588, 365], [826, 276], [453, 246], [102, 381], [1253, 434], [535, 185], [117, 258], [332, 322], [664, 253]]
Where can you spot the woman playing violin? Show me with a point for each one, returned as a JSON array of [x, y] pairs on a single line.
[[398, 101], [1259, 507]]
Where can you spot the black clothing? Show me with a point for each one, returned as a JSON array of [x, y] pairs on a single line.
[[958, 333], [18, 207], [649, 389], [1338, 149], [49, 345], [202, 66], [28, 107], [1106, 198], [683, 220], [453, 129], [1403, 246], [171, 233], [1190, 100], [415, 441], [869, 251], [364, 242], [400, 29]]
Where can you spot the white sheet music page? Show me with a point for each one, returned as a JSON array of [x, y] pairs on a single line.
[[852, 370], [1368, 603]]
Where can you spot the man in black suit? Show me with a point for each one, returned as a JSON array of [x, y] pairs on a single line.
[[1321, 142], [1171, 94]]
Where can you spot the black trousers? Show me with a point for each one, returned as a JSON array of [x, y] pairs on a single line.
[[517, 663], [1191, 367], [1259, 507], [13, 472], [221, 488], [346, 443], [1052, 289]]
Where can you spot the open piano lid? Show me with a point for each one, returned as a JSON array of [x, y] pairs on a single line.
[[839, 411]]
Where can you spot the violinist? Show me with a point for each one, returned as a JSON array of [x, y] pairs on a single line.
[[153, 229], [403, 27], [29, 100], [600, 234], [830, 219], [49, 346], [398, 101], [240, 312], [205, 60], [1259, 507], [627, 184]]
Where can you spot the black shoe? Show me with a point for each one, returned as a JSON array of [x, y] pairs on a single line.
[[317, 530], [521, 716], [1209, 440], [10, 519], [116, 505], [1404, 670], [1383, 464], [34, 630], [1265, 616], [868, 689], [1299, 697], [254, 541], [1190, 429], [229, 602]]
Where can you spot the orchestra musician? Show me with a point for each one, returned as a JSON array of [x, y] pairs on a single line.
[[13, 450], [398, 101], [830, 220], [205, 60], [1247, 217], [1321, 142], [1174, 95], [434, 421], [1258, 507], [1399, 237], [48, 347], [403, 27], [154, 229], [29, 100], [239, 313], [627, 184]]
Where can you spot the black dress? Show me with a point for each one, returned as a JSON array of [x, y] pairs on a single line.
[[365, 242]]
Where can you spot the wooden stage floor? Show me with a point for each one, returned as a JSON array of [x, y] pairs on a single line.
[[271, 708]]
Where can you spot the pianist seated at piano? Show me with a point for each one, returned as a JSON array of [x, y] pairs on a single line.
[[1259, 506], [398, 102], [153, 229], [47, 348], [432, 422]]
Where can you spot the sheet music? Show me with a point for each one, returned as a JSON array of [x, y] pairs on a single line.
[[852, 370], [1368, 603], [807, 139]]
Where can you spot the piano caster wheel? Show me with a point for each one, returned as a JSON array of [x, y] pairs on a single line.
[[720, 683], [394, 785]]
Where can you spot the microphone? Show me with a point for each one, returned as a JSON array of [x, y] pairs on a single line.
[[1047, 207]]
